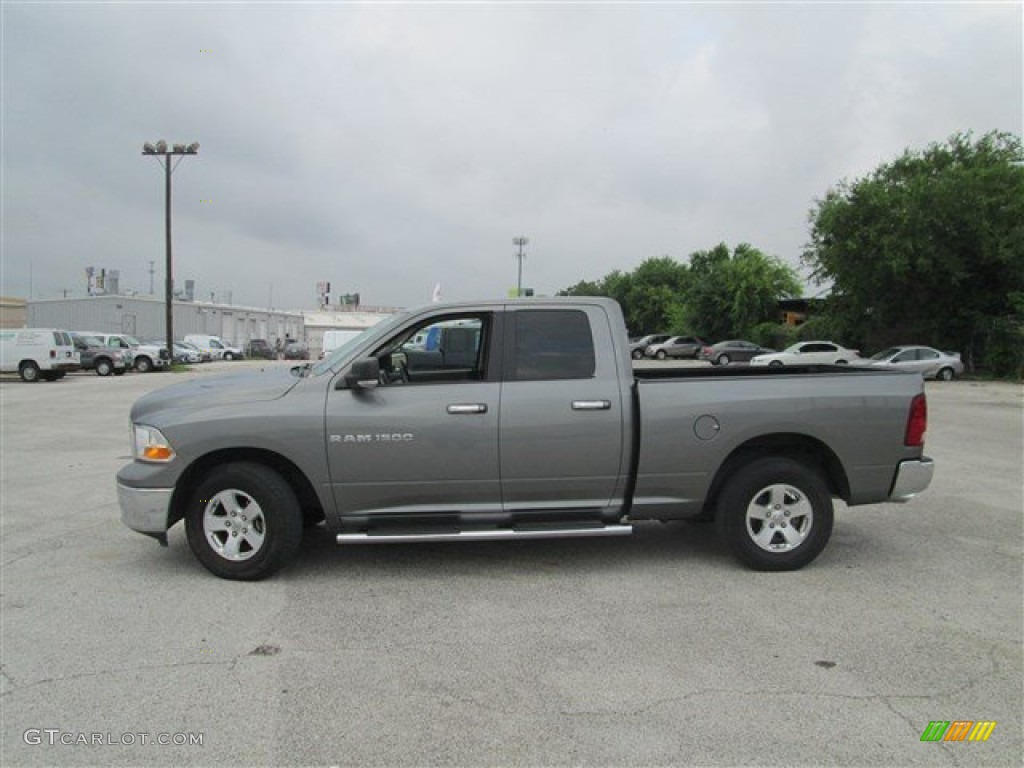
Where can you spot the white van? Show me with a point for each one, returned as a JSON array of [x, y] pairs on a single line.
[[216, 346], [334, 339], [38, 353]]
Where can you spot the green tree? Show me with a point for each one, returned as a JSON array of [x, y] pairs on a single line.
[[928, 248], [651, 295], [731, 293], [719, 295]]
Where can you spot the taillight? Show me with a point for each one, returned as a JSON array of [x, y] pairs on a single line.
[[917, 422], [53, 353]]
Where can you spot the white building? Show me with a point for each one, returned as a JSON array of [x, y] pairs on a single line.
[[145, 317]]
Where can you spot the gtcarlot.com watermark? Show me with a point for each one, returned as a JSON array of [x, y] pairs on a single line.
[[53, 737]]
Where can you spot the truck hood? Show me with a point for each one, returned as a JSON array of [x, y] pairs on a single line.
[[215, 391]]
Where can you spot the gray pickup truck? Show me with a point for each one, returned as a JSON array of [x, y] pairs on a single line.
[[513, 420]]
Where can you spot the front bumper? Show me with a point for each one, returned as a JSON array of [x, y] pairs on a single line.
[[145, 510], [912, 477]]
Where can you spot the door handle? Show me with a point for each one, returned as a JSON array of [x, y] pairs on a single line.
[[463, 408], [591, 405]]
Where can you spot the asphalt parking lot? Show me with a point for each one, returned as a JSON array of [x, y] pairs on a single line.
[[652, 650]]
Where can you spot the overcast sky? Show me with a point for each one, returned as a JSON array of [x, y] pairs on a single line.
[[390, 148]]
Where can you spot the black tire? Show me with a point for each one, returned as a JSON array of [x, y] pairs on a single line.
[[775, 514], [945, 374], [228, 356], [723, 360], [775, 364], [841, 362], [243, 522], [104, 367], [143, 364], [638, 354], [29, 371], [660, 354]]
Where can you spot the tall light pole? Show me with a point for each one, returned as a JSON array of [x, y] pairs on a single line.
[[163, 154], [520, 242]]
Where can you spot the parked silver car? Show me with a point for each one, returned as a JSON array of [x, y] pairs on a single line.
[[733, 351], [931, 363], [638, 346], [677, 346]]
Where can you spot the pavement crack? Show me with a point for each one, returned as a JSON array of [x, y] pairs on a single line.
[[119, 671], [7, 676]]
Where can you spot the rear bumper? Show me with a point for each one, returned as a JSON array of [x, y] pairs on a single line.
[[912, 477]]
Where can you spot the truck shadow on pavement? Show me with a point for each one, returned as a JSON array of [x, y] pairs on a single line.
[[652, 544]]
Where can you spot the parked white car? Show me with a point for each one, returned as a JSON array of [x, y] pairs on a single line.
[[930, 363], [809, 353], [216, 346], [38, 353]]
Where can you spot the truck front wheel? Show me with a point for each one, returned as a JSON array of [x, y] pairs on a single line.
[[775, 514], [243, 522]]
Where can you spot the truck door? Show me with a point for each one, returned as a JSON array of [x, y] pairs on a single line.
[[422, 446], [562, 420]]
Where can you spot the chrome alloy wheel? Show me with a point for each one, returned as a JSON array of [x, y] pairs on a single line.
[[234, 525], [779, 518]]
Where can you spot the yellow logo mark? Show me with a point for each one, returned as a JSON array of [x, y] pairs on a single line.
[[982, 730]]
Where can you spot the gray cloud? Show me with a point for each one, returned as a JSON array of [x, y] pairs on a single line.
[[388, 148]]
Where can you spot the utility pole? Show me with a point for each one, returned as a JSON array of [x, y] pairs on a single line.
[[520, 242], [161, 150]]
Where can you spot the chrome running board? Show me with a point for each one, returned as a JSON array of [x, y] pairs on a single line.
[[486, 535]]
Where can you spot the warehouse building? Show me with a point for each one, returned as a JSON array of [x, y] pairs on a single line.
[[144, 318]]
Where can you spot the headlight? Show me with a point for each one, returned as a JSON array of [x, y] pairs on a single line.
[[148, 444]]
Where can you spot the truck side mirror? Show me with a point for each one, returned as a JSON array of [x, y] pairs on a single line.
[[364, 374]]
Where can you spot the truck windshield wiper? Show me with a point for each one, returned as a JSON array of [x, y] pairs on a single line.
[[301, 370]]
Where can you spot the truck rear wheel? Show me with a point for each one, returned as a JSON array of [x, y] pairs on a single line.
[[104, 367], [243, 522], [775, 514], [143, 364]]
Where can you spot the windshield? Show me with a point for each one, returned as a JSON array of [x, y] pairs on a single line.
[[346, 349], [885, 353]]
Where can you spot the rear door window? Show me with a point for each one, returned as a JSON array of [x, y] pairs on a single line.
[[552, 344]]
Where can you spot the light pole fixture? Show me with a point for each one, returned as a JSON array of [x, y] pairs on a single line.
[[163, 154], [520, 242]]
